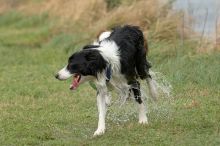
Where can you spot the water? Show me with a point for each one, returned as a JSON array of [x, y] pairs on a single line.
[[205, 13], [122, 111]]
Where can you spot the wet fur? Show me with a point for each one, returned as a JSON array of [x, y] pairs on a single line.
[[125, 49]]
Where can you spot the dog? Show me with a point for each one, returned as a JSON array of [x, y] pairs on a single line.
[[116, 58]]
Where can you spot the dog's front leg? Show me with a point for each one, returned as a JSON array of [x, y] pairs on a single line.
[[102, 112], [102, 93]]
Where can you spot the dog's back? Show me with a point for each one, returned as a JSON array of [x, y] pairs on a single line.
[[133, 50]]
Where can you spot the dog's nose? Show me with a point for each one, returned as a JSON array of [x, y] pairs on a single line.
[[57, 76]]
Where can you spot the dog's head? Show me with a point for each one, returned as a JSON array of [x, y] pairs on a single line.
[[82, 66]]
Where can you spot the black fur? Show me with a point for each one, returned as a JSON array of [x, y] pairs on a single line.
[[86, 62], [133, 49], [133, 62], [135, 87], [130, 39]]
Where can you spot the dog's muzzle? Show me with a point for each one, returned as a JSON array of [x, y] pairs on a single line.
[[63, 74]]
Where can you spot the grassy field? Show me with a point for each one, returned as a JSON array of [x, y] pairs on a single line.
[[36, 109]]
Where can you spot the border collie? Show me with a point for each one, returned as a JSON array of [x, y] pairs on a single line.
[[117, 58]]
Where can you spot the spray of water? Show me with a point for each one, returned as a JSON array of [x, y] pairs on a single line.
[[163, 86], [125, 109]]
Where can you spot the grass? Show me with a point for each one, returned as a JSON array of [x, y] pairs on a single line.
[[99, 15], [36, 109]]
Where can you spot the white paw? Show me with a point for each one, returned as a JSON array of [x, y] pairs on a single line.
[[143, 120], [99, 132]]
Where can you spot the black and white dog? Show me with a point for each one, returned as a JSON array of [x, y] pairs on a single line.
[[118, 58]]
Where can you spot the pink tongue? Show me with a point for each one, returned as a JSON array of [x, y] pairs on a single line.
[[74, 84]]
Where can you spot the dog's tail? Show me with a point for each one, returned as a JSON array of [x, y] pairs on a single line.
[[142, 64], [152, 85]]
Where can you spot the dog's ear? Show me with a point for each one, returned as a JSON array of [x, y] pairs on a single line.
[[95, 62], [91, 55]]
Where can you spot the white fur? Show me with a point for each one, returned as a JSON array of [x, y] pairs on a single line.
[[101, 103], [104, 35], [142, 114], [95, 43], [64, 74], [110, 52], [102, 112]]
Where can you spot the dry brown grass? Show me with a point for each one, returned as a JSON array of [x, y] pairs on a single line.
[[75, 10], [93, 14], [211, 44], [148, 14], [217, 36], [68, 10]]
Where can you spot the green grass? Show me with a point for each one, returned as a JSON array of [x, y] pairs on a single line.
[[36, 109]]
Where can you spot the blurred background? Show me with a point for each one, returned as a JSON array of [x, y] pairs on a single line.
[[38, 36], [159, 19]]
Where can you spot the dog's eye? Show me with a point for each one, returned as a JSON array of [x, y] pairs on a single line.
[[72, 66]]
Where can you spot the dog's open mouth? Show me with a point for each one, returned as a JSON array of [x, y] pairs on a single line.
[[75, 82]]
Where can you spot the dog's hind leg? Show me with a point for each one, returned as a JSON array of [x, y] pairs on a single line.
[[135, 86], [142, 114]]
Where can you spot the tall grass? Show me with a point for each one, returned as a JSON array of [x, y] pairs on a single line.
[[88, 18], [95, 15]]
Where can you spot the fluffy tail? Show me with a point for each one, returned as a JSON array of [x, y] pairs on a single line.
[[152, 88]]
